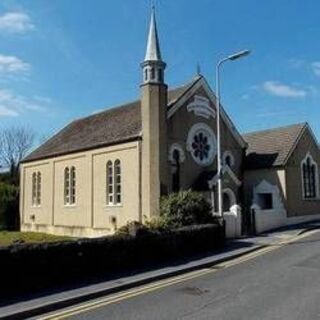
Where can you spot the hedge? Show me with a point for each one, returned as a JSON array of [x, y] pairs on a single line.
[[39, 266], [9, 207]]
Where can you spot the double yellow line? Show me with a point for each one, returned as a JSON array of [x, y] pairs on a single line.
[[101, 302]]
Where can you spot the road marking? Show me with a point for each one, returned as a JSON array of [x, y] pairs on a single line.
[[131, 293]]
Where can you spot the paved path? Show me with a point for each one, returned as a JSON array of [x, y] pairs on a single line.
[[281, 284]]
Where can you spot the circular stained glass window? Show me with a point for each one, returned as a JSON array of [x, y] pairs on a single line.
[[200, 146], [201, 143]]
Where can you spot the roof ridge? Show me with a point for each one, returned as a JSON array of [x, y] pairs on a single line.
[[117, 107], [296, 141], [126, 104], [302, 124]]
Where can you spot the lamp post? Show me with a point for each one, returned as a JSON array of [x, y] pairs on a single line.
[[232, 57]]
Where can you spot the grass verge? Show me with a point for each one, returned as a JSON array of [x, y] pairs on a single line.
[[10, 237]]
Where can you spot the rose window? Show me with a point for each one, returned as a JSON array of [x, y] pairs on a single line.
[[200, 146]]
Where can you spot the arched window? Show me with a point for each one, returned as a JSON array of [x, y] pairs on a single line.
[[109, 178], [36, 189], [146, 74], [310, 182], [38, 200], [73, 185], [66, 186], [228, 158], [113, 183], [69, 185], [117, 181], [153, 73], [176, 170], [160, 75]]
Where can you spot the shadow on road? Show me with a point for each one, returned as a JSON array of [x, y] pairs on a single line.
[[230, 247]]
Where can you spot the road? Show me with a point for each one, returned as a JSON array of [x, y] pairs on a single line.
[[280, 284]]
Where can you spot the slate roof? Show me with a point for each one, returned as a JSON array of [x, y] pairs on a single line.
[[112, 126], [271, 148]]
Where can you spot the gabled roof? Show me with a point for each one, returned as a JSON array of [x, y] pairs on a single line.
[[201, 82], [112, 126], [272, 147]]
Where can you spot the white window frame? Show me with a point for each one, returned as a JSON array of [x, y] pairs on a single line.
[[226, 154], [36, 189], [117, 183], [113, 183], [316, 180], [109, 184], [70, 186], [212, 141], [182, 156]]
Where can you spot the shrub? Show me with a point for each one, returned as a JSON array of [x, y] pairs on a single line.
[[185, 208], [132, 228], [9, 206]]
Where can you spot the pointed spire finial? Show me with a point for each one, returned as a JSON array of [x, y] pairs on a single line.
[[198, 69], [153, 52], [153, 67]]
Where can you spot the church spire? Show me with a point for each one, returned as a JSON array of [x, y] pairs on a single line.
[[153, 66], [153, 52]]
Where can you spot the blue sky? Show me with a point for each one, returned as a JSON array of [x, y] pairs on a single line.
[[65, 59]]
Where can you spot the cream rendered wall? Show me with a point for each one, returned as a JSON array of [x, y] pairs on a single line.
[[129, 209], [79, 214], [43, 213], [89, 216]]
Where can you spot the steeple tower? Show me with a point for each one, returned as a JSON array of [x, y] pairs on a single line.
[[154, 125], [153, 66]]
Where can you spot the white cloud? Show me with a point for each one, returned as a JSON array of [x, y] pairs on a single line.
[[42, 99], [278, 89], [296, 63], [15, 22], [5, 112], [316, 68], [12, 64], [12, 104], [245, 96]]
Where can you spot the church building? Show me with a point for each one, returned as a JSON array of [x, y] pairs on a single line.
[[112, 167]]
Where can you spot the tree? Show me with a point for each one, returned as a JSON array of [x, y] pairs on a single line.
[[15, 143]]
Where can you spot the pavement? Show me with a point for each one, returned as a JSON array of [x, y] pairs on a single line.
[[33, 306], [278, 282]]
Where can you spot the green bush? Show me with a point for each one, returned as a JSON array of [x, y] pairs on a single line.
[[184, 208], [132, 228], [9, 206]]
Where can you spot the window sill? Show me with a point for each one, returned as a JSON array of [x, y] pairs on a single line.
[[114, 205], [70, 206], [311, 199]]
